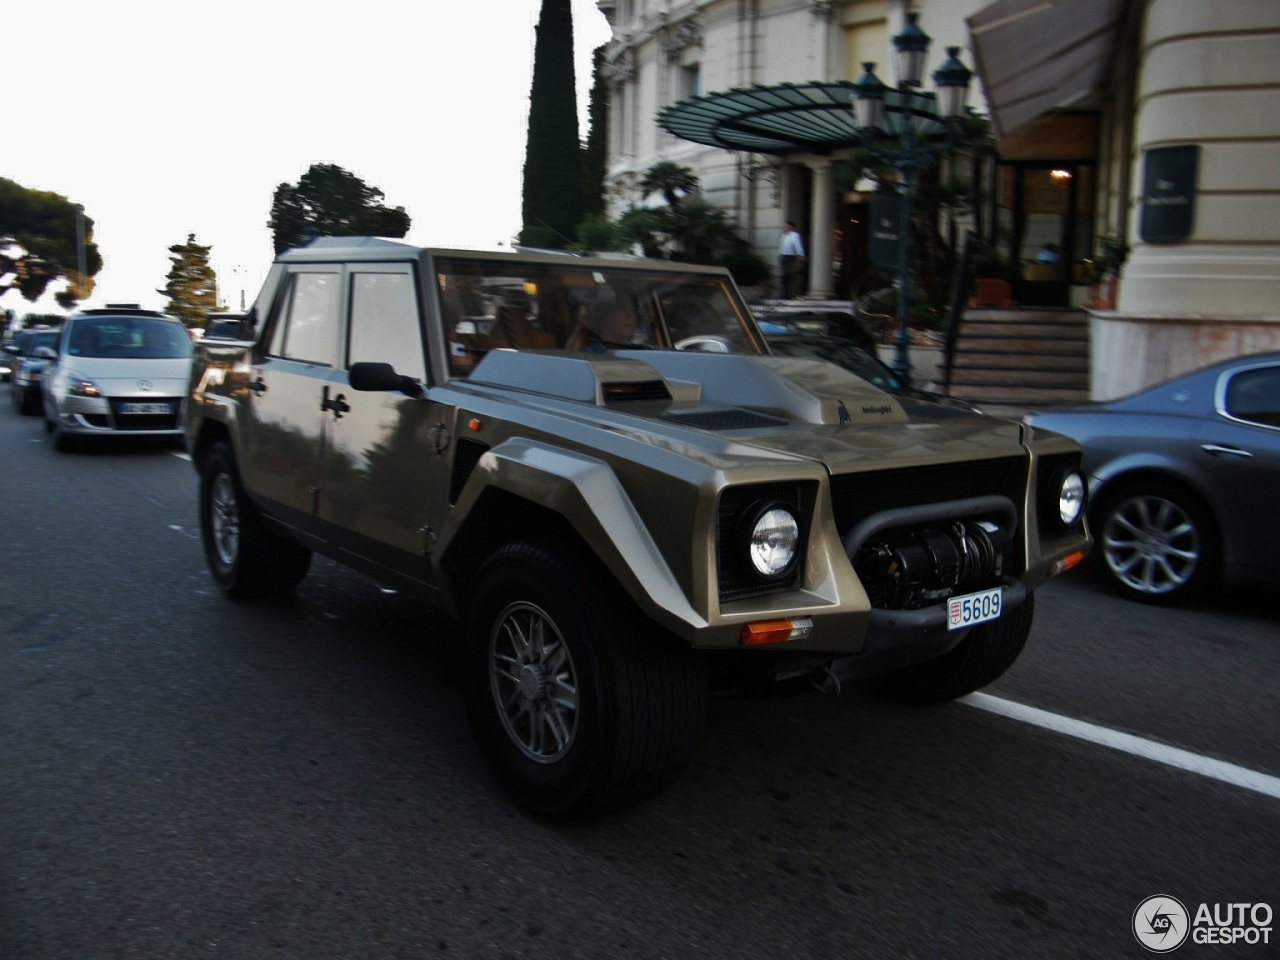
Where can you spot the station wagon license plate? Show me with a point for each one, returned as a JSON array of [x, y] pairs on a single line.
[[974, 608], [145, 408]]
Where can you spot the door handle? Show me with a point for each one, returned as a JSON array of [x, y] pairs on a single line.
[[338, 404], [1214, 450], [258, 386]]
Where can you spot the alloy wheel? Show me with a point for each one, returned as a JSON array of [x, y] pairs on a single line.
[[1151, 544], [534, 684], [225, 520]]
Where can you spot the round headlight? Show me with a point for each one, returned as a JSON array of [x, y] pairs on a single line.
[[774, 541], [1070, 498]]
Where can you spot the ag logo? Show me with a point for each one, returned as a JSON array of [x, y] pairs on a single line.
[[1161, 924]]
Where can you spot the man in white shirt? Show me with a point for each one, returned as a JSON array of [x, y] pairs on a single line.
[[790, 249]]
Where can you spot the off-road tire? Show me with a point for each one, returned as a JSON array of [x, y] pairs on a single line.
[[245, 558], [551, 644], [979, 659]]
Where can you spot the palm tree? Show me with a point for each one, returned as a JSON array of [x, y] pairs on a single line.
[[669, 179]]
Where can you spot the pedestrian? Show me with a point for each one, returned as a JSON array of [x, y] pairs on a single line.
[[1050, 253], [790, 250]]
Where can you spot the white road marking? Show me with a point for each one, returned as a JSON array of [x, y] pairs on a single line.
[[1127, 743]]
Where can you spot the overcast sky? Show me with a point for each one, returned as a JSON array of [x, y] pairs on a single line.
[[165, 119]]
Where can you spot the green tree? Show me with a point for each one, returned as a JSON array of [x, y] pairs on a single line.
[[328, 201], [671, 180], [595, 154], [192, 288], [39, 243], [552, 193]]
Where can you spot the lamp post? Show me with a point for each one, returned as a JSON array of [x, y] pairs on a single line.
[[906, 128]]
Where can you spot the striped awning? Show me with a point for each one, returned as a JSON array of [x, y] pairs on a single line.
[[789, 118], [1037, 56]]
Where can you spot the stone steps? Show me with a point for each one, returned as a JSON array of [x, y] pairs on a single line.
[[1011, 361]]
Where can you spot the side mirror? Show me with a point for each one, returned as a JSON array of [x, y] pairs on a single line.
[[382, 376], [47, 353]]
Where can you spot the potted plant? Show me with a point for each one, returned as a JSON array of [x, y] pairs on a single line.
[[993, 272], [1107, 265]]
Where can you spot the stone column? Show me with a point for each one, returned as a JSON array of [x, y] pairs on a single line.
[[822, 218]]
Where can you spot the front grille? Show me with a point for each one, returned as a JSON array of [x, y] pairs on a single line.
[[855, 496], [146, 421]]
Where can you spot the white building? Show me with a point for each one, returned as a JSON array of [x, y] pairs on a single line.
[[1153, 121]]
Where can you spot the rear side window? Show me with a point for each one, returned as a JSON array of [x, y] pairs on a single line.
[[1254, 395], [307, 326]]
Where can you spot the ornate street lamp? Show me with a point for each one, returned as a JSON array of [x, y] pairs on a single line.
[[906, 129]]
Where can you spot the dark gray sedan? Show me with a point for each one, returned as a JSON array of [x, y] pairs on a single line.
[[1183, 478]]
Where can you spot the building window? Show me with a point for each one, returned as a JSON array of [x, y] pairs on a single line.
[[689, 83]]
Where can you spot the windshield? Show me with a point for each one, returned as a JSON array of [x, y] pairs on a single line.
[[136, 338], [848, 355], [490, 305], [42, 339]]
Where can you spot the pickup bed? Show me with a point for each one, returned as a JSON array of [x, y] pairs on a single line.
[[599, 471]]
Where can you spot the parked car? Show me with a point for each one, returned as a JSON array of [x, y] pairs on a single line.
[[223, 326], [1183, 478], [28, 367], [857, 360], [833, 323], [117, 371]]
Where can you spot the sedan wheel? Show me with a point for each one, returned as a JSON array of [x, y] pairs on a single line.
[[1157, 543]]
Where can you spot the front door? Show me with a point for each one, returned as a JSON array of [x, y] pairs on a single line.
[[384, 472]]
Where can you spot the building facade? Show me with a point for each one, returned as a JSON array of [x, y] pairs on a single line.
[[1152, 122]]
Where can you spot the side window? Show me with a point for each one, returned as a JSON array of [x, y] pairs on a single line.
[[1254, 395], [384, 323], [308, 327]]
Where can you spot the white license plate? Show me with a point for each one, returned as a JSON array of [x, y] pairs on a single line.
[[974, 608], [146, 408]]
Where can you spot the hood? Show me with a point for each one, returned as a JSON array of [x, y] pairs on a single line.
[[118, 374], [793, 406]]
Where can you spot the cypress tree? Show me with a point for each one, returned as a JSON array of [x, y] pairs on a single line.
[[594, 155], [192, 287], [552, 197]]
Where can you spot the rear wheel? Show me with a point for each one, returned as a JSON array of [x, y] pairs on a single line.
[[980, 658], [245, 558], [578, 704], [1158, 542]]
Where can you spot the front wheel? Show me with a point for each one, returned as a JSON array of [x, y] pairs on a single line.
[[245, 558], [579, 706], [979, 659], [1157, 542]]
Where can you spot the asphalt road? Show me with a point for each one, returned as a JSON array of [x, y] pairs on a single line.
[[182, 776]]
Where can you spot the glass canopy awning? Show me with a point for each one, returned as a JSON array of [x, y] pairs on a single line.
[[788, 118]]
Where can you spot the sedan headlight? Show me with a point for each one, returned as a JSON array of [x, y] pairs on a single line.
[[773, 540], [79, 386]]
